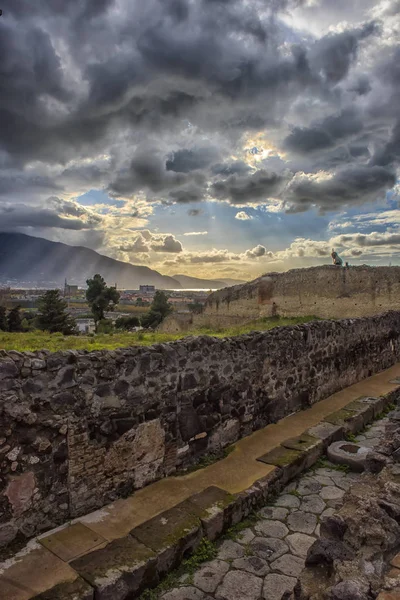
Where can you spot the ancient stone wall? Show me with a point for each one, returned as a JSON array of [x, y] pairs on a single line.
[[79, 429], [326, 291]]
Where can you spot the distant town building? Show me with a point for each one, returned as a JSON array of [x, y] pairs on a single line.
[[86, 325], [147, 289], [70, 290]]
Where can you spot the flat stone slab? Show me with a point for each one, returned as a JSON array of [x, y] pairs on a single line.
[[313, 504], [239, 585], [268, 548], [288, 501], [331, 493], [275, 513], [281, 457], [123, 567], [326, 432], [170, 534], [72, 541], [210, 505], [289, 565], [210, 575], [76, 590], [308, 486], [274, 529], [252, 564], [229, 550], [299, 543], [245, 536], [302, 522], [275, 586]]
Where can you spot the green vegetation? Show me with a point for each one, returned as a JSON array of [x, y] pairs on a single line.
[[206, 551], [159, 309], [350, 437], [324, 463], [100, 297], [38, 340], [233, 533], [53, 316]]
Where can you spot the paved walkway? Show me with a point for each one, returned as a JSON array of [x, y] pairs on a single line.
[[45, 562], [265, 559]]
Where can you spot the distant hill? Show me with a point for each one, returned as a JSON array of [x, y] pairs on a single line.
[[24, 258], [191, 283]]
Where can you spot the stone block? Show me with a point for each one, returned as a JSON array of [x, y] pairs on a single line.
[[120, 570], [171, 535], [215, 508], [350, 420], [76, 590], [326, 432], [292, 461]]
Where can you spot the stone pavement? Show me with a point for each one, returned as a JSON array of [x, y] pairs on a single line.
[[264, 560], [46, 561]]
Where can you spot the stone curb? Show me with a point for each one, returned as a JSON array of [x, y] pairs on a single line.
[[127, 566]]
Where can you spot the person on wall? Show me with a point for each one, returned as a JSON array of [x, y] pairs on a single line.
[[337, 261]]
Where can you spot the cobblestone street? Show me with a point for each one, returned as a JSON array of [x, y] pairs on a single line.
[[265, 559]]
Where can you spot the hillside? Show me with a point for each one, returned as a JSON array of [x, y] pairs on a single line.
[[212, 284], [30, 259]]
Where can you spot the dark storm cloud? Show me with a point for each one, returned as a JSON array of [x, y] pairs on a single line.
[[257, 187], [21, 182], [324, 134], [352, 185], [21, 215], [81, 79], [334, 53], [184, 161]]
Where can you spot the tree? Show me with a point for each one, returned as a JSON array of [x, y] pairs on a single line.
[[53, 315], [14, 320], [3, 319], [100, 297], [127, 323], [159, 309]]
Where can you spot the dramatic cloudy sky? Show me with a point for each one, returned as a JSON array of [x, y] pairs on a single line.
[[206, 137]]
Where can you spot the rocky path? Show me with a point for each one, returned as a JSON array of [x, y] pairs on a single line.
[[263, 561]]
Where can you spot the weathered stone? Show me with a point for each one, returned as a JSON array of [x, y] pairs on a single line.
[[216, 510], [325, 551], [245, 536], [229, 550], [20, 491], [274, 512], [348, 590], [7, 369], [268, 548], [288, 565], [308, 486], [75, 590], [252, 564], [170, 534], [210, 575], [302, 522], [186, 593], [8, 532], [278, 586], [331, 493], [299, 543], [313, 504], [121, 569], [274, 529], [333, 527], [238, 585], [288, 501]]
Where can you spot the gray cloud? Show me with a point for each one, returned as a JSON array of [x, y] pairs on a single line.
[[184, 161], [352, 185], [257, 187]]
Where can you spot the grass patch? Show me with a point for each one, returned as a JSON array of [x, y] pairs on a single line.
[[324, 463], [206, 551], [41, 340], [233, 533], [350, 437]]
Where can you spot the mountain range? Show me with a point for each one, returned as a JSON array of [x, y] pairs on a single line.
[[32, 260]]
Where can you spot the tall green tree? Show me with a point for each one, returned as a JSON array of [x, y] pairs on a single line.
[[100, 297], [53, 315], [159, 309], [14, 320], [3, 319]]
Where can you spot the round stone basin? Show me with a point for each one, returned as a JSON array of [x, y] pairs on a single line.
[[348, 453]]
